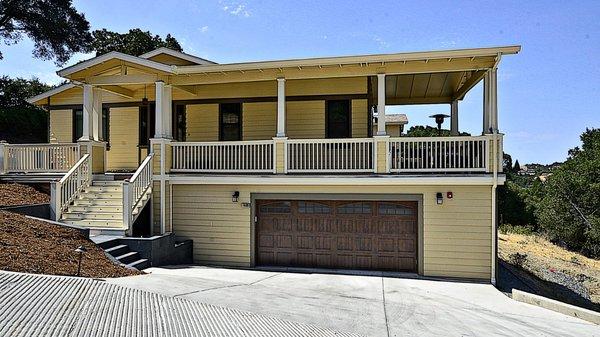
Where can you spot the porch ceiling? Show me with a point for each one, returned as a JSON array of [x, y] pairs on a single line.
[[428, 88]]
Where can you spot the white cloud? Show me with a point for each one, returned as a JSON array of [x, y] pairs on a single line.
[[381, 42], [237, 9], [203, 29]]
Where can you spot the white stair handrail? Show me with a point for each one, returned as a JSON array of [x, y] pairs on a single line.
[[64, 191], [135, 188]]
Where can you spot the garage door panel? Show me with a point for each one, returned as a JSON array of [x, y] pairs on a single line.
[[337, 234]]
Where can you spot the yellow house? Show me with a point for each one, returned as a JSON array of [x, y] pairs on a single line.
[[277, 162]]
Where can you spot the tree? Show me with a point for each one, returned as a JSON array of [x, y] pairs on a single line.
[[135, 42], [569, 210], [429, 131], [507, 163], [517, 166], [55, 27], [21, 122]]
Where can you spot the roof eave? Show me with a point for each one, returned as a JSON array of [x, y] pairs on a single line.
[[397, 57], [50, 93], [113, 55]]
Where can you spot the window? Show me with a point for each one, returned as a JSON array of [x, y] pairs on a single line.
[[394, 209], [106, 127], [308, 207], [77, 124], [146, 127], [338, 119], [277, 207], [230, 121], [179, 119], [355, 208]]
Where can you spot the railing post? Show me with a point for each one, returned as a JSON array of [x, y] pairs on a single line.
[[280, 165], [3, 157], [126, 204], [381, 160], [55, 200]]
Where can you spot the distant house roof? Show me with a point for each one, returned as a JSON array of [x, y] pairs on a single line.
[[396, 119]]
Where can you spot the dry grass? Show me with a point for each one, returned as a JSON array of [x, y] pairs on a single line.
[[544, 258]]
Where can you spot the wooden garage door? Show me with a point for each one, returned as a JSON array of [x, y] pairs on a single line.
[[372, 235]]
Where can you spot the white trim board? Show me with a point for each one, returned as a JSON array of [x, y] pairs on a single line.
[[481, 180], [180, 55]]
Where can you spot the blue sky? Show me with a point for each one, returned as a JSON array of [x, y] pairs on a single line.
[[548, 94]]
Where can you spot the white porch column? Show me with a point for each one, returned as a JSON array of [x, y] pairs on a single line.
[[281, 107], [486, 103], [494, 100], [88, 111], [381, 105], [97, 114], [454, 118], [163, 110]]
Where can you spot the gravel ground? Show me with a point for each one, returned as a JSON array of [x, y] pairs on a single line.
[[17, 194], [37, 247]]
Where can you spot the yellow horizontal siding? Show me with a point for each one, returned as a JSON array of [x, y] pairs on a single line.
[[259, 120], [455, 246], [330, 86], [305, 119], [61, 126], [124, 139], [202, 121], [359, 118]]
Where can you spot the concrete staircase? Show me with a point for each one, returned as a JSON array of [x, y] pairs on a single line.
[[124, 255], [100, 207]]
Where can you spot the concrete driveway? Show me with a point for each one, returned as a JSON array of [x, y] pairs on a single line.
[[366, 305]]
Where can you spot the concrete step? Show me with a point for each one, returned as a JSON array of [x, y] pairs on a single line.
[[98, 202], [107, 183], [115, 232], [139, 264], [117, 250], [100, 195], [92, 216], [95, 208], [128, 257], [100, 224], [100, 189]]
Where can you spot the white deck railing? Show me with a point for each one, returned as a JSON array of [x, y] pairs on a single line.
[[330, 155], [349, 155], [40, 157], [232, 157], [135, 188], [64, 191], [443, 154]]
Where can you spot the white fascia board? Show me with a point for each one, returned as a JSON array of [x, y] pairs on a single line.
[[375, 58], [480, 180], [50, 92], [174, 53], [114, 55]]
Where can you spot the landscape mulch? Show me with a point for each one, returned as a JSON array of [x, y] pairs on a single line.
[[33, 246], [17, 194]]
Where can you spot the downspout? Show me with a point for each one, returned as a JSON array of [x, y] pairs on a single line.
[[494, 215]]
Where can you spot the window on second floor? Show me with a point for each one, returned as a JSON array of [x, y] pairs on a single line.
[[230, 121], [146, 126], [179, 123], [78, 125], [338, 119]]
